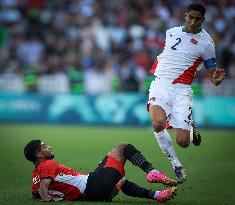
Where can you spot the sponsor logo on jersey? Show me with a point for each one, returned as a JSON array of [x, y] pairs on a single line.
[[36, 179]]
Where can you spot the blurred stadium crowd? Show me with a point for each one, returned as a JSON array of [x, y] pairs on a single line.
[[101, 46]]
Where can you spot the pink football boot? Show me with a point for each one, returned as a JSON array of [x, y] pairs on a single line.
[[165, 195], [155, 176]]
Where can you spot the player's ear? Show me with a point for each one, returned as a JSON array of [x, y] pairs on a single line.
[[203, 18]]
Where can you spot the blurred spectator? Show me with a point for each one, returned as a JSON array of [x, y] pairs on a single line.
[[88, 46], [231, 70], [56, 83], [30, 50]]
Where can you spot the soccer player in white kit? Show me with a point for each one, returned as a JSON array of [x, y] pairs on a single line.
[[187, 49]]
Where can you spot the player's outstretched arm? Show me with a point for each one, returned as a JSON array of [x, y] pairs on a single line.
[[43, 189], [216, 75]]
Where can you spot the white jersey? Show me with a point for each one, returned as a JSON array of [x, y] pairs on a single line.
[[183, 55]]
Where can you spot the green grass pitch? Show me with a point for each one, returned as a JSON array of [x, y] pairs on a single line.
[[210, 167]]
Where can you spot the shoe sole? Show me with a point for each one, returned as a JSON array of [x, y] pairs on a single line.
[[197, 134], [167, 184], [170, 184], [183, 176], [172, 194]]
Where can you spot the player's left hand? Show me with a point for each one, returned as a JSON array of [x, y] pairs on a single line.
[[218, 76]]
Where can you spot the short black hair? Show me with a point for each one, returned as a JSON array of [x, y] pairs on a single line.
[[31, 149], [197, 7]]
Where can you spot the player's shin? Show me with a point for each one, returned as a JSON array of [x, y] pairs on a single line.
[[165, 143], [131, 189], [137, 159], [164, 140]]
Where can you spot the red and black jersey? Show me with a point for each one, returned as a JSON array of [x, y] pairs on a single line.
[[66, 183]]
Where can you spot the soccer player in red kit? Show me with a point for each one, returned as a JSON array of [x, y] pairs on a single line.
[[187, 49], [53, 181]]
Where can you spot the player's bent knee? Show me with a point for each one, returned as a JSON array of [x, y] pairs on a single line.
[[118, 152], [158, 125], [120, 148], [182, 142]]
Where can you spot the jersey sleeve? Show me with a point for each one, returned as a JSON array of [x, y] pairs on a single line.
[[169, 33], [35, 189], [48, 170], [209, 55], [208, 52]]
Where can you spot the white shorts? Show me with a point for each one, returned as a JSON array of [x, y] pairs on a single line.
[[175, 99]]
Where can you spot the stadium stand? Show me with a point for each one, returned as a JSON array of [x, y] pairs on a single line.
[[100, 46]]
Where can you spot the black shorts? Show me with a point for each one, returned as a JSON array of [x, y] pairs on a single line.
[[102, 181]]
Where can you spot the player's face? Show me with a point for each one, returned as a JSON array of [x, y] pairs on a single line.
[[193, 21], [46, 151]]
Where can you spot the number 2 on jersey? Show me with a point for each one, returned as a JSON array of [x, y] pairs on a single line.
[[177, 43]]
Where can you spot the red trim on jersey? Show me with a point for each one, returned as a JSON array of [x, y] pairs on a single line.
[[71, 193], [147, 107], [187, 76], [168, 126], [154, 66], [112, 162]]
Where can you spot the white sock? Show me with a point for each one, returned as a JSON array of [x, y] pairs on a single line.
[[156, 194], [191, 134], [165, 143]]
